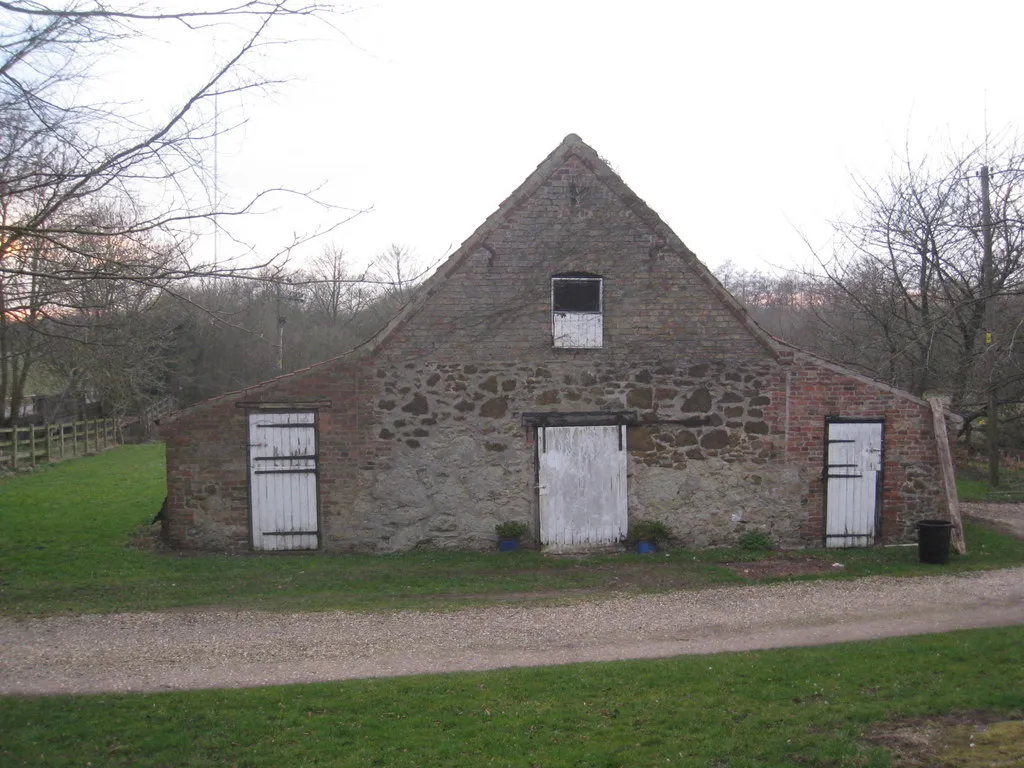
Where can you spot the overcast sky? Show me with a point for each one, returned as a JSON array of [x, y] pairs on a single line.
[[739, 123]]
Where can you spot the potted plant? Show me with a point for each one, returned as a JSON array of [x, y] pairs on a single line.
[[647, 534], [510, 533]]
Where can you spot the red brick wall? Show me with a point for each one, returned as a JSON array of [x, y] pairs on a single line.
[[911, 480], [207, 454]]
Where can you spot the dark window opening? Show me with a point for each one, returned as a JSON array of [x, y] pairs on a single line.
[[576, 294]]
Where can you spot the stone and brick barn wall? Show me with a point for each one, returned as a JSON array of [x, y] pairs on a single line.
[[434, 454], [423, 442], [716, 449]]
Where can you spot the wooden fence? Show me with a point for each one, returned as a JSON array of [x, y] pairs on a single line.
[[28, 446]]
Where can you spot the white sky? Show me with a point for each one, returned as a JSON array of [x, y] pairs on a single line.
[[739, 123]]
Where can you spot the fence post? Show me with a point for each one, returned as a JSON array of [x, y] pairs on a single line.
[[61, 428], [32, 445], [74, 438], [14, 446]]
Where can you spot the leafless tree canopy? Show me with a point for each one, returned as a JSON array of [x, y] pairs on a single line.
[[99, 208], [902, 295]]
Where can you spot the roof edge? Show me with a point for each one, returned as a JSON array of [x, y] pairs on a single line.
[[355, 353], [572, 144], [861, 377], [601, 168]]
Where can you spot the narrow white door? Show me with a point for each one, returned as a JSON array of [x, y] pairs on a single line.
[[582, 486], [282, 480], [851, 493]]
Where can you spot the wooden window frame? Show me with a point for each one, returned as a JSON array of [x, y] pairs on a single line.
[[577, 329]]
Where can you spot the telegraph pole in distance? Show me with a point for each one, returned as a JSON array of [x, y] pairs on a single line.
[[992, 418]]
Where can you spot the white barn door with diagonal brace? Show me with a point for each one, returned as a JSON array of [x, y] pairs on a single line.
[[282, 480], [582, 474], [853, 468]]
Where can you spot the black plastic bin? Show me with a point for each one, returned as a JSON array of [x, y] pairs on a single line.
[[933, 540]]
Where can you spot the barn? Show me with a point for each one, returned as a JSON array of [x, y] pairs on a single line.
[[573, 366]]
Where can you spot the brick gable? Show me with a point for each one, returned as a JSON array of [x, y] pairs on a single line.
[[492, 299]]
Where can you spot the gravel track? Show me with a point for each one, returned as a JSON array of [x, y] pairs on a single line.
[[1006, 517], [214, 649]]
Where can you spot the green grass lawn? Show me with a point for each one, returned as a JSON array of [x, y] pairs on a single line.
[[972, 484], [66, 533], [793, 707]]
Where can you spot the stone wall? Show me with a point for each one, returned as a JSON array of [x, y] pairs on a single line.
[[702, 448]]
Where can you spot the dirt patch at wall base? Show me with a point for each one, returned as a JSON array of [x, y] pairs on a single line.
[[957, 740], [780, 567]]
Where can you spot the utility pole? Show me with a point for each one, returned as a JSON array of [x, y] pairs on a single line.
[[280, 298], [987, 269], [280, 328]]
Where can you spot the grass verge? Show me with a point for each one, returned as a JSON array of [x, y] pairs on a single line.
[[972, 484], [66, 531], [794, 707]]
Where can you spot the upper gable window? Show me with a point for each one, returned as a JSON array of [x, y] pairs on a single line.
[[577, 304]]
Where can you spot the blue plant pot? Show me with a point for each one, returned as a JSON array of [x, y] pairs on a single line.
[[646, 547], [508, 545]]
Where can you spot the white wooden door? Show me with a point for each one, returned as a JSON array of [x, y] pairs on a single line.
[[851, 494], [582, 486], [282, 480]]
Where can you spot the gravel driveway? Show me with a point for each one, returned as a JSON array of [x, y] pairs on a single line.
[[1006, 517], [213, 649]]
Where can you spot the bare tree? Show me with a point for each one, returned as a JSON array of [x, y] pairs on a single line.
[[74, 175], [912, 266], [903, 295], [334, 292], [396, 271]]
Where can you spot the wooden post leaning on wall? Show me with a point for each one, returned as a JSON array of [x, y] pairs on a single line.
[[948, 473]]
